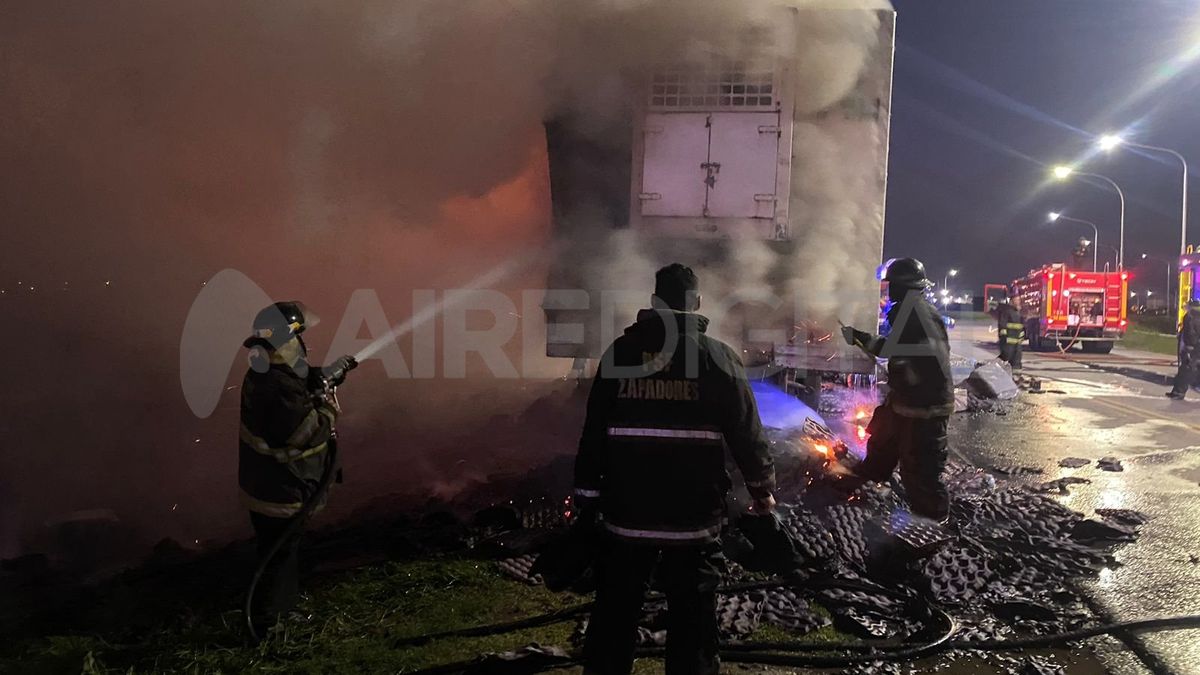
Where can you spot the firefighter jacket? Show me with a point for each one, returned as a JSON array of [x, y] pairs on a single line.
[[1009, 324], [1189, 336], [665, 403], [284, 440], [918, 359]]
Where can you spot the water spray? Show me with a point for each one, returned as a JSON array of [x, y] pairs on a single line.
[[483, 281]]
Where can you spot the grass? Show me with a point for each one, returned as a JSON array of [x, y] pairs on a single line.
[[1150, 337], [358, 616]]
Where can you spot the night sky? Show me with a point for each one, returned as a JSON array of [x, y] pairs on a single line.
[[989, 95]]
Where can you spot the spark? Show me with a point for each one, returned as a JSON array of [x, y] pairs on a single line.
[[174, 507]]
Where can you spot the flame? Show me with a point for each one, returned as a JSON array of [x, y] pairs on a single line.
[[861, 431], [821, 448]]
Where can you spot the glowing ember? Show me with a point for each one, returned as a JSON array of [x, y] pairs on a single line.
[[861, 431]]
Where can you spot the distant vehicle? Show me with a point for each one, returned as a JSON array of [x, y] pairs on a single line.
[[1062, 307], [992, 295]]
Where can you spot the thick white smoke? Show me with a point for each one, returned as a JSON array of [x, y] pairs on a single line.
[[323, 148]]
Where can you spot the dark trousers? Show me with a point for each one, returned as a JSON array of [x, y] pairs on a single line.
[[919, 447], [688, 576], [1011, 354], [279, 588], [1185, 376]]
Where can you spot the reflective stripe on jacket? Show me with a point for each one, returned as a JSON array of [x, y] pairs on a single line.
[[652, 453], [283, 441]]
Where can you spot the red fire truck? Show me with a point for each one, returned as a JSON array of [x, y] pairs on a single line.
[[1062, 307]]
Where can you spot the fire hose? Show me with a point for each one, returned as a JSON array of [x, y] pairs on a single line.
[[327, 395], [821, 655], [798, 654]]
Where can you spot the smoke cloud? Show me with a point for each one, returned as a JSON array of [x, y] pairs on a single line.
[[321, 148]]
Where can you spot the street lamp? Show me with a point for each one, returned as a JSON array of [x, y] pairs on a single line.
[[946, 279], [1064, 172], [1056, 216], [1110, 141]]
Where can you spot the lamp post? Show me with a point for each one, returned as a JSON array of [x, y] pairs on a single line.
[[1110, 141], [1064, 172], [1056, 216], [946, 279]]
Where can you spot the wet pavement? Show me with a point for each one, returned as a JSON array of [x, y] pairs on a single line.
[[1112, 406]]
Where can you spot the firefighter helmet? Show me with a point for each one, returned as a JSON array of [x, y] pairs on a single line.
[[905, 273], [278, 323]]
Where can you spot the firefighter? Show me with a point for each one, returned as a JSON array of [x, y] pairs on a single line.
[[666, 401], [1189, 352], [287, 430], [1011, 331], [910, 428]]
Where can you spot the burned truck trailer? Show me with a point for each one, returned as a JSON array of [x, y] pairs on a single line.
[[762, 164]]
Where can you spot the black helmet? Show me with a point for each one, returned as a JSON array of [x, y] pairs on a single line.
[[905, 273], [276, 324]]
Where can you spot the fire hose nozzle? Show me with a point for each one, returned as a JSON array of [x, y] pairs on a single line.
[[335, 373]]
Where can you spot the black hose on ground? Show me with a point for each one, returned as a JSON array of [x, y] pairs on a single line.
[[823, 655], [306, 511], [583, 608], [747, 656], [786, 654]]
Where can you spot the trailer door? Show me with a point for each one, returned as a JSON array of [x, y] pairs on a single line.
[[745, 151], [674, 165]]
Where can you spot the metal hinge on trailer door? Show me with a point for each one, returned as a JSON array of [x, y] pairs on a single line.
[[777, 130], [649, 196], [712, 169], [765, 198]]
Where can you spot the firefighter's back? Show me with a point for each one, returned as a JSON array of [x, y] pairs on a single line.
[[665, 477]]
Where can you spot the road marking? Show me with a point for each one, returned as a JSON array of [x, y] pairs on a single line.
[[1146, 413]]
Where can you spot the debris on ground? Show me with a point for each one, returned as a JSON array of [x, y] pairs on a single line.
[[1073, 462], [1124, 516], [1109, 464], [1004, 566], [993, 380], [1062, 485], [976, 403], [1017, 470]]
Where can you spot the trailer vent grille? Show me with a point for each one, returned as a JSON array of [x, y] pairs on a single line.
[[717, 85]]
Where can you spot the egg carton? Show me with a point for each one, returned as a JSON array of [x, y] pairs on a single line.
[[519, 568]]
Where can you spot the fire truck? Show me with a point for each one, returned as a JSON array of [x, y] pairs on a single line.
[[1062, 307], [1189, 282]]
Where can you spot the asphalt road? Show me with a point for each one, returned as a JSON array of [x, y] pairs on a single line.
[[1110, 406]]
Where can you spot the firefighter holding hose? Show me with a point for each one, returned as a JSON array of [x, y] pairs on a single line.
[[666, 401], [1011, 331], [287, 451], [910, 428]]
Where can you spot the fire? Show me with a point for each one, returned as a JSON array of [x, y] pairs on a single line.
[[861, 431], [821, 448]]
